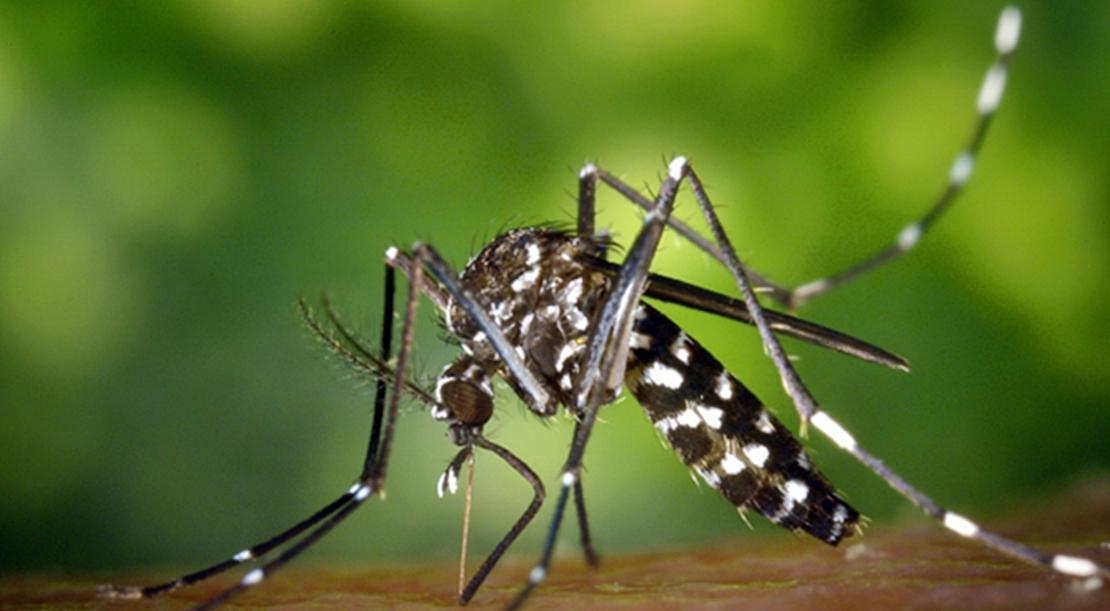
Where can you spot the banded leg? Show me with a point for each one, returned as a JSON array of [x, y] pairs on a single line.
[[540, 397], [464, 435], [987, 101], [537, 394], [606, 358], [370, 480], [809, 411]]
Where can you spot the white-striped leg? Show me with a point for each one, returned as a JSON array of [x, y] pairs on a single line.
[[1072, 566], [987, 101], [374, 473], [539, 396], [256, 576], [606, 357], [809, 411], [248, 554], [374, 468]]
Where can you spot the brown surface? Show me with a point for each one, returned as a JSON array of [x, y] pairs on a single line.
[[921, 567]]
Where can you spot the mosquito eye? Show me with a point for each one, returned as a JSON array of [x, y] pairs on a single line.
[[470, 404]]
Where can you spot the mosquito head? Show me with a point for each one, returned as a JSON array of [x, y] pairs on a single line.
[[464, 389], [467, 401]]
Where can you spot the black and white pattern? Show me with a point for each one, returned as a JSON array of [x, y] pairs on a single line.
[[544, 310], [725, 434]]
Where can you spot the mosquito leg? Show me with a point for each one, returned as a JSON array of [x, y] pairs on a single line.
[[257, 575], [776, 291], [251, 553], [584, 538], [385, 349], [810, 412], [583, 521], [376, 468], [608, 341], [791, 381], [542, 399], [584, 525], [987, 101], [539, 571], [373, 477], [606, 357], [258, 550], [587, 192], [514, 532], [396, 258], [990, 95]]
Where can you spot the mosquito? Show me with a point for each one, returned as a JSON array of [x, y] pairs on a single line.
[[545, 310]]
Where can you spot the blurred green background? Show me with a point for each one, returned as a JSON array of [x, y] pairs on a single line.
[[173, 175]]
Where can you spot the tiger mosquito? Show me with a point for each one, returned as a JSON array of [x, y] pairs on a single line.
[[547, 312]]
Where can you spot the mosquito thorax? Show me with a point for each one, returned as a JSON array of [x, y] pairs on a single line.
[[538, 288]]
